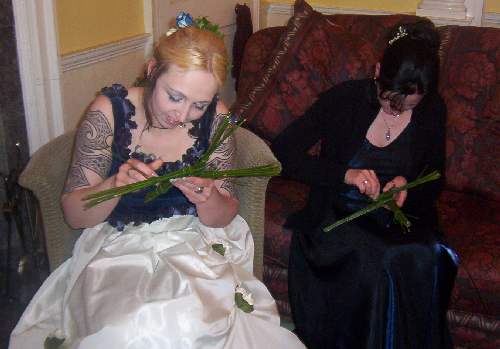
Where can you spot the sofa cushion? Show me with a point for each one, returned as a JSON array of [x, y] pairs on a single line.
[[471, 225], [283, 197], [469, 84], [313, 54], [258, 52]]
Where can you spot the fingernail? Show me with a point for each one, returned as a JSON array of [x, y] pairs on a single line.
[[172, 180]]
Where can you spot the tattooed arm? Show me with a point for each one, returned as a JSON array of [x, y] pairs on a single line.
[[223, 159], [89, 167], [216, 204]]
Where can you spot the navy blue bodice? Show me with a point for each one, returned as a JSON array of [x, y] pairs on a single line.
[[131, 207], [387, 162]]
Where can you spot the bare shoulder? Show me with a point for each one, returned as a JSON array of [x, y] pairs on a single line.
[[100, 110], [135, 95]]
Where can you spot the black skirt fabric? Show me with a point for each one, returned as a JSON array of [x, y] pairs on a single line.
[[359, 287]]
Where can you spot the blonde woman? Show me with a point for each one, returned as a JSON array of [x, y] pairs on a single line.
[[146, 275]]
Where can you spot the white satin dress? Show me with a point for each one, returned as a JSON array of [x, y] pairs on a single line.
[[156, 285]]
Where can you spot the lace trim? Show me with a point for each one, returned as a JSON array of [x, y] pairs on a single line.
[[122, 134], [191, 155]]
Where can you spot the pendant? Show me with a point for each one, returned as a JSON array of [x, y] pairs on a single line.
[[388, 135]]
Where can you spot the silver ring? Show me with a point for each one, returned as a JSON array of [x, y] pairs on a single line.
[[365, 182], [198, 190]]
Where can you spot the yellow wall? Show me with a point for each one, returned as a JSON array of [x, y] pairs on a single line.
[[385, 5], [90, 23], [492, 6]]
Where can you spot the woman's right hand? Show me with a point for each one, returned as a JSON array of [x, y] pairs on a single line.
[[366, 181], [134, 171]]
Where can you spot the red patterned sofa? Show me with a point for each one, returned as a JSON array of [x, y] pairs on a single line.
[[284, 69]]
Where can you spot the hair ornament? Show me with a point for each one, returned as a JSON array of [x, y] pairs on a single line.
[[170, 31], [401, 33], [184, 19]]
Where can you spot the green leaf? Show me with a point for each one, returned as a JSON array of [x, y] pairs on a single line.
[[219, 248], [53, 343], [399, 216], [387, 199], [242, 304]]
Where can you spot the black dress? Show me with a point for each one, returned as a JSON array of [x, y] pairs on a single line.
[[366, 284]]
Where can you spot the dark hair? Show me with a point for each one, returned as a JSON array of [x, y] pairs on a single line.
[[410, 63]]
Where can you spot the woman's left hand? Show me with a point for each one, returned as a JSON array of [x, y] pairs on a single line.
[[197, 190], [396, 182]]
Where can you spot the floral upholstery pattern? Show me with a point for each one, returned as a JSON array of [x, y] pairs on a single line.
[[313, 54], [470, 86], [277, 87], [258, 52], [283, 197]]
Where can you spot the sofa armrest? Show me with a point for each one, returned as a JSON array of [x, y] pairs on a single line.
[[45, 176], [252, 151]]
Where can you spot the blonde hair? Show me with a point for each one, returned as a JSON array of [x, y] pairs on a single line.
[[188, 48]]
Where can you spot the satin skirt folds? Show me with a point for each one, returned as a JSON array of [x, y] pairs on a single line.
[[159, 285]]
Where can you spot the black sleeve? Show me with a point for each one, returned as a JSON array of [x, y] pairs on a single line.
[[421, 199], [292, 145]]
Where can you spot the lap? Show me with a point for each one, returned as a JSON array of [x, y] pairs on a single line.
[[343, 280]]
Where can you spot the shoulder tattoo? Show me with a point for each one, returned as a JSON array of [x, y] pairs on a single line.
[[92, 150]]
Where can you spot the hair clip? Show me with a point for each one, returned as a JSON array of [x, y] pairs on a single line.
[[401, 33]]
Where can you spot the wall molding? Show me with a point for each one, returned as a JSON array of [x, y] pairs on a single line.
[[90, 56], [287, 9], [491, 19], [439, 21]]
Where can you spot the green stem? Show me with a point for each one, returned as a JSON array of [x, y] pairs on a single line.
[[387, 199], [258, 171], [162, 183]]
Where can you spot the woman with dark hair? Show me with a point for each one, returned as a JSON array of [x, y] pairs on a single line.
[[367, 284]]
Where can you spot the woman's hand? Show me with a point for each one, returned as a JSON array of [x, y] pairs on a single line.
[[134, 171], [366, 181], [396, 182], [197, 190]]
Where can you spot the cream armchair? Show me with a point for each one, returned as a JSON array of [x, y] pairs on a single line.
[[46, 172]]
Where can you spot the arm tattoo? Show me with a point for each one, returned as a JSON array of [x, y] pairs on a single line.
[[223, 158], [92, 150]]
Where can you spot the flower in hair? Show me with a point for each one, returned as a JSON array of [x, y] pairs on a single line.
[[399, 34], [183, 19]]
